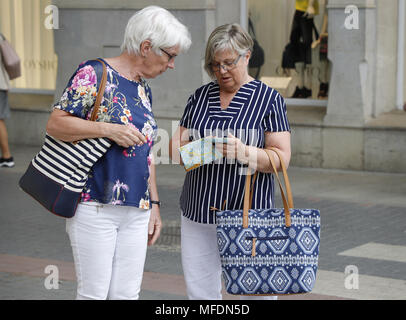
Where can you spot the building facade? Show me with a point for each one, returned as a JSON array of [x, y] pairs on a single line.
[[361, 125]]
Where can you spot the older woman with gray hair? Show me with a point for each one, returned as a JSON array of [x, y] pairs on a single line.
[[119, 210], [252, 116]]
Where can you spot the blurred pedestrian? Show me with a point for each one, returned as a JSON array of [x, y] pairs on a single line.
[[119, 211], [6, 159]]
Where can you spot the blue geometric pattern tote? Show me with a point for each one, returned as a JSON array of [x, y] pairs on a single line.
[[269, 251]]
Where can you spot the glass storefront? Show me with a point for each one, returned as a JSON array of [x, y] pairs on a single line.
[[294, 46], [28, 26]]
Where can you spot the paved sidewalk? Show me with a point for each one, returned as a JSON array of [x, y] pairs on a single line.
[[363, 229]]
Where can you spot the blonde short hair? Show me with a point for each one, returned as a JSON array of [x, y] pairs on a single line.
[[227, 37], [157, 25]]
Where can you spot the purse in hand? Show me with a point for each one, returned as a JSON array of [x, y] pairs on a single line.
[[58, 173], [10, 58], [269, 251]]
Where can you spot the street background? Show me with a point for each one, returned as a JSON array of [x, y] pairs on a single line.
[[363, 219]]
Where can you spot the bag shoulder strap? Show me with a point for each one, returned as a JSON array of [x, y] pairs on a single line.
[[100, 92], [285, 177], [251, 27], [287, 203]]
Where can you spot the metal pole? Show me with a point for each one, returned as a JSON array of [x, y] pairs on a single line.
[[401, 55], [243, 14]]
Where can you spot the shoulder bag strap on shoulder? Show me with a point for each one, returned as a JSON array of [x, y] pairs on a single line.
[[100, 92]]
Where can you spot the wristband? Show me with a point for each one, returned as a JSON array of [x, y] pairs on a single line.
[[155, 202]]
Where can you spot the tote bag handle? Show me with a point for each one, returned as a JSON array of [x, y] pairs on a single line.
[[287, 203], [285, 174]]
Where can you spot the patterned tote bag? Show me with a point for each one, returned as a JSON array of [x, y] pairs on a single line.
[[269, 251], [58, 173]]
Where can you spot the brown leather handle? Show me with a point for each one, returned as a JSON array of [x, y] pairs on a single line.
[[100, 92], [287, 203], [247, 204], [99, 96], [285, 178]]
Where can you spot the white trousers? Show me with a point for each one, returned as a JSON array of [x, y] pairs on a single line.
[[201, 262], [109, 245]]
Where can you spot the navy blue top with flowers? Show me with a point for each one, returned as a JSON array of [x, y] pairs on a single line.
[[121, 176]]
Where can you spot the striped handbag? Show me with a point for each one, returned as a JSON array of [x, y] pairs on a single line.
[[58, 173], [269, 251]]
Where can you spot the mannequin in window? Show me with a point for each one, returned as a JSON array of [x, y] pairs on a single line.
[[324, 63], [301, 38]]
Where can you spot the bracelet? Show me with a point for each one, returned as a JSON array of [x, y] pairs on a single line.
[[155, 202]]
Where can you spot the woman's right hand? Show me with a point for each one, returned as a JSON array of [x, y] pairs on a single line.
[[66, 127], [125, 135]]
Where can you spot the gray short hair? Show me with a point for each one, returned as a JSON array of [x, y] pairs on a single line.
[[157, 25], [228, 36]]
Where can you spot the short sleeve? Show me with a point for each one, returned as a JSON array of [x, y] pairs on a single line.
[[185, 120], [80, 94], [277, 119]]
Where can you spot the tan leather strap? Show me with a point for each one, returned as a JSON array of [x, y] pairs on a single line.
[[222, 208], [285, 177], [286, 204], [100, 92], [254, 178], [247, 204], [248, 192]]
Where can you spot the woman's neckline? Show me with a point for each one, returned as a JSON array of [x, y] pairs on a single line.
[[235, 92], [141, 82]]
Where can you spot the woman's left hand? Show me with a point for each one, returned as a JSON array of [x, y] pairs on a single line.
[[233, 149], [154, 225]]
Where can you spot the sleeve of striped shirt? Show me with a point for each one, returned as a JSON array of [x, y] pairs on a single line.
[[185, 120], [80, 93], [276, 119]]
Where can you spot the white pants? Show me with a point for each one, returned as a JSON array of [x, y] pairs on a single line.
[[109, 245], [201, 262]]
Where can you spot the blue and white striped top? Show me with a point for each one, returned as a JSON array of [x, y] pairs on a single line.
[[255, 109]]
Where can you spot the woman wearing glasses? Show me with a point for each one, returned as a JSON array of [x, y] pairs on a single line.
[[252, 116], [119, 210]]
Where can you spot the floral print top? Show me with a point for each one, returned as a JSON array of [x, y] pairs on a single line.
[[121, 176]]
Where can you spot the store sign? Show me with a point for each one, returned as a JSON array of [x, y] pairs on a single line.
[[43, 65]]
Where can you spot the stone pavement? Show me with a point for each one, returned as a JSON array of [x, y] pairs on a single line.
[[362, 251]]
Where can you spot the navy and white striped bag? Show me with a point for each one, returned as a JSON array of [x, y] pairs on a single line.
[[269, 251], [58, 173]]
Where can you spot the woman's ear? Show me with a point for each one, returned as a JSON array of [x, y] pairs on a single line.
[[145, 47], [247, 56]]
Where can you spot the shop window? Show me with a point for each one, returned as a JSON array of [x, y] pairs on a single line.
[[27, 25], [294, 61]]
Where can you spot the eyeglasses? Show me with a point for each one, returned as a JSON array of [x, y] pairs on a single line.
[[227, 66], [170, 56]]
